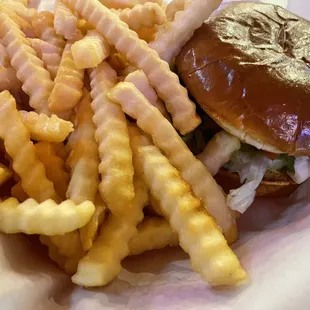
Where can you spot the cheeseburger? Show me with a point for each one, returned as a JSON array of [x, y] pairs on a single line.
[[248, 68]]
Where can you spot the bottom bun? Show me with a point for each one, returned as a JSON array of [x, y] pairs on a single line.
[[274, 184]]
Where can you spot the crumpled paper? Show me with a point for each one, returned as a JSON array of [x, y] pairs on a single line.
[[273, 247]]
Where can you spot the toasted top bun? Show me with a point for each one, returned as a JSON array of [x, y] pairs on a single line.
[[274, 184], [248, 67]]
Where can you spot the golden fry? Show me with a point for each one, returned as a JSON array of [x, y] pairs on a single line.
[[67, 90], [22, 151], [147, 34], [151, 121], [173, 7], [84, 26], [116, 168], [119, 4], [20, 9], [165, 82], [5, 174], [46, 218], [153, 233], [8, 79], [90, 51], [117, 61], [198, 233], [155, 205], [36, 79], [18, 192], [44, 128]]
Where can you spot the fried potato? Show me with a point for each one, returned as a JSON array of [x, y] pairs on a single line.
[[5, 174], [44, 128], [151, 121], [36, 79], [169, 42], [117, 61], [67, 90], [153, 233], [49, 54], [22, 151], [165, 82], [116, 168], [65, 22], [142, 16], [139, 79], [84, 160], [198, 233], [46, 218], [90, 51], [84, 26], [147, 34], [8, 79], [18, 192], [20, 9], [89, 232], [173, 7], [155, 205], [54, 167], [103, 261], [119, 4], [43, 24], [159, 2], [219, 151]]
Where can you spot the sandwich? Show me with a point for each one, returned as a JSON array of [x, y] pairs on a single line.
[[248, 69]]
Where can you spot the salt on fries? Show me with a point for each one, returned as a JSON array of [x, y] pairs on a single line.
[[84, 182], [137, 52]]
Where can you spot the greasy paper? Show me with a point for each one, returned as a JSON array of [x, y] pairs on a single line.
[[274, 248]]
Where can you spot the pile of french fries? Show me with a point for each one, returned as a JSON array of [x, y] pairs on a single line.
[[91, 159]]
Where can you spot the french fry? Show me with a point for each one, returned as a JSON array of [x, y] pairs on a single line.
[[155, 205], [67, 90], [153, 233], [4, 57], [46, 218], [159, 2], [89, 232], [8, 79], [169, 42], [24, 2], [85, 160], [139, 79], [151, 121], [219, 151], [54, 167], [20, 9], [44, 128], [117, 61], [49, 54], [22, 151], [60, 150], [198, 233], [116, 168], [36, 79], [137, 52], [18, 192], [147, 34], [142, 16], [5, 174], [119, 4], [65, 22], [84, 26], [90, 51], [173, 7], [103, 261], [43, 24]]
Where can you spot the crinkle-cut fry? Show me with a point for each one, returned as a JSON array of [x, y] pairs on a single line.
[[140, 80], [65, 21], [119, 4], [126, 41], [84, 161], [45, 128], [36, 79], [4, 57], [84, 26], [89, 232], [8, 79], [103, 261], [49, 54], [22, 151], [173, 7], [153, 233], [116, 168], [117, 61], [43, 24], [5, 174], [155, 205], [219, 151], [151, 121], [142, 16], [90, 51], [169, 42], [25, 27], [67, 90], [21, 10], [198, 233], [54, 167], [46, 218], [159, 2], [147, 34], [60, 150], [18, 192]]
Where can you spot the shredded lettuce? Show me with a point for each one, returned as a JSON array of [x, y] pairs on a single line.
[[301, 170]]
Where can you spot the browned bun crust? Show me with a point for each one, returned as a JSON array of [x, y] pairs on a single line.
[[274, 184], [248, 67]]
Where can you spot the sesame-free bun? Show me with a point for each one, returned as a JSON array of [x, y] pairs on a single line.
[[248, 67]]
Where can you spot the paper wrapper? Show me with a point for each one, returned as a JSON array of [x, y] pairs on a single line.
[[273, 247]]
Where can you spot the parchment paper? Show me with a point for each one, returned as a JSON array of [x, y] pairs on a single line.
[[274, 248]]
